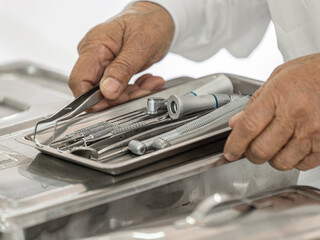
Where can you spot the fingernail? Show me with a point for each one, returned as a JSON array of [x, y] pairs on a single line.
[[230, 157], [111, 85]]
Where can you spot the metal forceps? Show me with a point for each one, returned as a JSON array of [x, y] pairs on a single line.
[[80, 104]]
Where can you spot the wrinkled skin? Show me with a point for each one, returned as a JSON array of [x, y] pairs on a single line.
[[281, 123], [112, 52]]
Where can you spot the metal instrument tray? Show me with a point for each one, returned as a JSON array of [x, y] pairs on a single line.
[[28, 93], [127, 162]]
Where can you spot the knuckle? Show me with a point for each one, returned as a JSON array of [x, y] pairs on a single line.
[[94, 46], [101, 49], [72, 82], [304, 145], [124, 67], [248, 122], [281, 164], [309, 162], [80, 45], [303, 167], [303, 105], [284, 126], [98, 41], [258, 153]]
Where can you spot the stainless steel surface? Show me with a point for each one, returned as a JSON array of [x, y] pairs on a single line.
[[43, 197], [34, 73], [291, 213], [28, 93], [48, 189], [142, 147], [126, 162], [9, 107]]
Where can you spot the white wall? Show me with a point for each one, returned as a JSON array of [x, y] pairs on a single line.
[[47, 32]]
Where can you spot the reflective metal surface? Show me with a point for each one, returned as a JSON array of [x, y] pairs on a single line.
[[292, 213], [42, 197], [121, 163], [28, 93]]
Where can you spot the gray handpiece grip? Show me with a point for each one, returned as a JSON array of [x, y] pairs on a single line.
[[179, 106], [219, 84], [141, 147]]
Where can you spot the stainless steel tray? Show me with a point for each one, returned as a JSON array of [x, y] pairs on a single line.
[[125, 163], [28, 93]]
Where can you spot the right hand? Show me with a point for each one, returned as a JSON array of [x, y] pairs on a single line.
[[112, 52]]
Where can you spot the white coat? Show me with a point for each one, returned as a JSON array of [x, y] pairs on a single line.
[[203, 27]]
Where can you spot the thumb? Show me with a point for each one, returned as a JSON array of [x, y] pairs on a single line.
[[119, 72]]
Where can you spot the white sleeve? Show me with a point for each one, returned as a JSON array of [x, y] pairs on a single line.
[[203, 27]]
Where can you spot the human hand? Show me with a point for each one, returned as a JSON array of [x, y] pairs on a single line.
[[112, 52], [281, 122]]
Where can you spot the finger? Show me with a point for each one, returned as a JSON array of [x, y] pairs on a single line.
[[270, 141], [290, 156], [277, 70], [132, 88], [152, 83], [234, 119], [141, 79], [83, 76], [310, 161], [250, 124], [149, 85], [129, 61], [105, 103], [124, 97], [89, 68]]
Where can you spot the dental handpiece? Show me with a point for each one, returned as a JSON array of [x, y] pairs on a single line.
[[179, 106], [141, 147], [220, 84]]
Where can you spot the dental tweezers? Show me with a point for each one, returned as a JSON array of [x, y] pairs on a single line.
[[80, 104]]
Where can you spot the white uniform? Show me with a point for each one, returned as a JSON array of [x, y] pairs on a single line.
[[203, 27]]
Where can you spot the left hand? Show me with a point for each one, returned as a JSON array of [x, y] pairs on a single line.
[[281, 122]]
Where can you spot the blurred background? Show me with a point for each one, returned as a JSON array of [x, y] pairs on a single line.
[[47, 33]]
